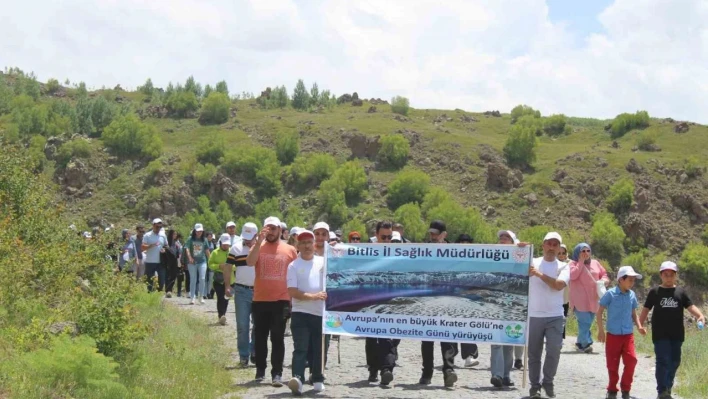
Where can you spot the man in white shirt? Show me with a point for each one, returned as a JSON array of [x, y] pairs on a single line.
[[242, 291], [547, 279], [306, 286], [154, 244]]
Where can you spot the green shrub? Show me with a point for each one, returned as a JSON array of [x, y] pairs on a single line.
[[311, 170], [287, 146], [646, 140], [434, 197], [154, 168], [400, 105], [704, 235], [36, 152], [625, 122], [409, 215], [84, 117], [607, 237], [268, 207], [692, 167], [223, 88], [621, 196], [555, 125], [460, 220], [258, 165], [5, 96], [332, 201], [301, 98], [52, 86], [203, 174], [520, 147], [523, 110], [353, 178], [182, 104], [694, 262], [102, 113], [211, 150], [215, 109], [409, 186], [278, 98], [394, 151], [127, 136], [78, 148]]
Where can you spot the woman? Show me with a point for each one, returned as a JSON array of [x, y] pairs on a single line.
[[208, 289], [197, 250], [563, 257], [354, 237], [584, 273], [181, 273], [127, 254], [174, 248], [216, 260]]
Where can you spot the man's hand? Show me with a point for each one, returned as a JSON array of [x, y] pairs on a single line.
[[262, 235], [318, 296], [522, 244], [535, 272], [602, 337]]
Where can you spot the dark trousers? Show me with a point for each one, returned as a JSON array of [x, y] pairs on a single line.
[[381, 353], [469, 350], [181, 280], [565, 314], [172, 275], [222, 304], [307, 343], [449, 351], [668, 360], [150, 270], [269, 319]]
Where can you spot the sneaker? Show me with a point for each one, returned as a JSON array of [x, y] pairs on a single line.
[[373, 376], [475, 354], [665, 395], [253, 359], [168, 295], [579, 347], [191, 302], [243, 363], [611, 395], [295, 386], [588, 349], [386, 377], [319, 387], [260, 375], [550, 392], [222, 320], [201, 301], [277, 381], [450, 378], [496, 381], [507, 382], [625, 395], [204, 297], [470, 362], [425, 380], [518, 364], [535, 393]]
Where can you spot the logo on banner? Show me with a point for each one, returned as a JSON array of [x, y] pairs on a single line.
[[521, 255], [515, 332], [337, 252], [333, 321]]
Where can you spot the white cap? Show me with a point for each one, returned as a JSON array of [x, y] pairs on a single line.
[[295, 231], [321, 225], [553, 236], [668, 265], [156, 221], [230, 224], [248, 231], [272, 221], [628, 271], [198, 227], [332, 236], [396, 236], [510, 234], [283, 225], [225, 239]]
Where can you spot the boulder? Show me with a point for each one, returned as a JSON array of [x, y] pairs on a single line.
[[531, 199], [154, 210], [400, 118], [559, 175], [681, 127], [634, 167], [689, 203], [467, 119], [364, 146], [584, 213], [489, 154], [76, 174], [372, 109], [495, 114], [130, 201], [221, 188], [51, 147], [64, 327], [642, 198], [357, 103], [639, 228], [501, 177]]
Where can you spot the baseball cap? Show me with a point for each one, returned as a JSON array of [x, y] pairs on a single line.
[[321, 225], [668, 265], [509, 233], [248, 231], [553, 236], [338, 232], [628, 271], [294, 231], [332, 236], [230, 224], [283, 225], [157, 221], [302, 234], [225, 239], [437, 227], [272, 221], [198, 227], [396, 236]]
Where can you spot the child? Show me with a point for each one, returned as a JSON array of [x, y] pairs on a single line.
[[621, 303], [667, 332]]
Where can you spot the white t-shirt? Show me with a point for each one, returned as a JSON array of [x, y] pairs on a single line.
[[152, 255], [307, 276], [544, 301], [245, 275]]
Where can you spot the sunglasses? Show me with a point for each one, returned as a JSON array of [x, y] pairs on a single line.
[[585, 251], [355, 238], [387, 237]]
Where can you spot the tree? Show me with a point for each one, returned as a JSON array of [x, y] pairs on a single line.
[[222, 87], [147, 88], [102, 113], [182, 104], [52, 86], [301, 98], [192, 86], [127, 136], [278, 98], [208, 90], [211, 150], [314, 95], [621, 196], [332, 201], [607, 237], [287, 146], [409, 185], [311, 170], [5, 96], [625, 122], [84, 116], [694, 260], [400, 105], [394, 151], [81, 90], [409, 215], [78, 148], [215, 109], [520, 147], [354, 180], [324, 98], [555, 125], [523, 110], [434, 197], [169, 90]]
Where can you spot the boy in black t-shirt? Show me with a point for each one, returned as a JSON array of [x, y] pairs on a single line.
[[668, 302]]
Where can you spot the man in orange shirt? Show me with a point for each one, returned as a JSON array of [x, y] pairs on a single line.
[[271, 302]]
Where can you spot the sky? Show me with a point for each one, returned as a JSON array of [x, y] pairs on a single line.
[[589, 58]]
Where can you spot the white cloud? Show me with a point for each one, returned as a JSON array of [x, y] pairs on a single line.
[[475, 55]]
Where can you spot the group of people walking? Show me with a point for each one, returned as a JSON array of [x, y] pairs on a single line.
[[276, 275]]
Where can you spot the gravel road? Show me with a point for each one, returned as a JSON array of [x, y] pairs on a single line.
[[579, 375]]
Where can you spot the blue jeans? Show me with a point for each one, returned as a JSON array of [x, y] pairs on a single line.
[[502, 359], [150, 270], [585, 320], [197, 270], [243, 298], [668, 360], [307, 343]]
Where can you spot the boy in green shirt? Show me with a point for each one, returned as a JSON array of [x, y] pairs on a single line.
[[216, 260]]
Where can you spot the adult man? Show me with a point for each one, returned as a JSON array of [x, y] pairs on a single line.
[[321, 231], [437, 233], [154, 244], [306, 287], [397, 227], [231, 231], [271, 302], [547, 279], [138, 242], [242, 291], [381, 353]]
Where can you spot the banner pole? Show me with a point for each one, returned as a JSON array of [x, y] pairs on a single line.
[[528, 323], [323, 337]]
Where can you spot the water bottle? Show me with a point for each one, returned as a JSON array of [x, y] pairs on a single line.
[[700, 325]]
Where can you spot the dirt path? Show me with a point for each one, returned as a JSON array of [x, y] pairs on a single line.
[[579, 375]]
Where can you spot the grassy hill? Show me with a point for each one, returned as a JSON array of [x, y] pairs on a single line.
[[569, 187]]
